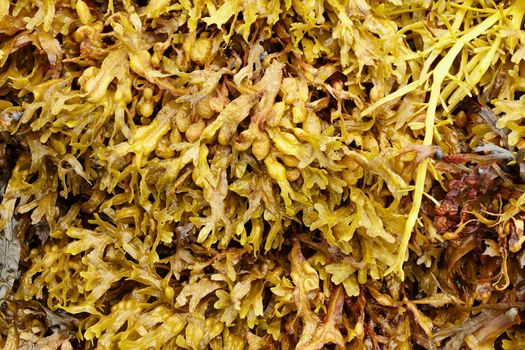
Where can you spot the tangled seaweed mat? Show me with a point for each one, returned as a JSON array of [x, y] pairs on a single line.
[[268, 174]]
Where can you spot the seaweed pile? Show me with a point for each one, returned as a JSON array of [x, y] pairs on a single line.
[[266, 174]]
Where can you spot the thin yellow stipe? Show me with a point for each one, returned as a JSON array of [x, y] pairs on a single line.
[[475, 76], [473, 9], [435, 201], [452, 31], [443, 104], [458, 19], [399, 93], [461, 85], [464, 71]]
